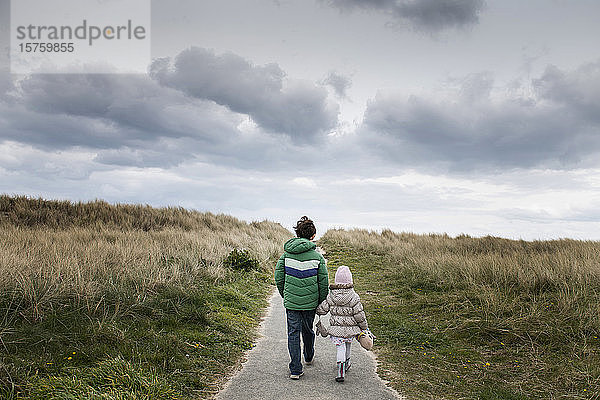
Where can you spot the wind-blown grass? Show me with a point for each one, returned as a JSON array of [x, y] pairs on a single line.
[[132, 302], [479, 318]]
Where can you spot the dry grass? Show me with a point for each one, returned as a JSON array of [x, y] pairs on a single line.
[[38, 265], [28, 212], [47, 251], [72, 275], [480, 317]]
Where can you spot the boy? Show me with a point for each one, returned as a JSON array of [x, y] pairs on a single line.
[[301, 278]]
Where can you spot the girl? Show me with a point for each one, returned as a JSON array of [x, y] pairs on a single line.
[[347, 317]]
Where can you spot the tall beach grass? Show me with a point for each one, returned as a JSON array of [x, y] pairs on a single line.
[[90, 287], [484, 318]]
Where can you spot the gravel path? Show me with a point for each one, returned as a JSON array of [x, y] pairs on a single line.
[[265, 374]]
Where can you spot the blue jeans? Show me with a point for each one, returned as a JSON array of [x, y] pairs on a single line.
[[300, 322]]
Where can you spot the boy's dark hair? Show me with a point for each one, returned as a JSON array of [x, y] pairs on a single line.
[[305, 228]]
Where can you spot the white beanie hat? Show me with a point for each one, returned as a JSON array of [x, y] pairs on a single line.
[[343, 275]]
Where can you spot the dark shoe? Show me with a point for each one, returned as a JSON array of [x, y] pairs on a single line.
[[296, 376]]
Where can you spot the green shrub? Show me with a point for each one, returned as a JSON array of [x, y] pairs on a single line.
[[241, 260]]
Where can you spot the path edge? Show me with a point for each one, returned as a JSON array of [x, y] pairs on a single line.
[[260, 336], [385, 382]]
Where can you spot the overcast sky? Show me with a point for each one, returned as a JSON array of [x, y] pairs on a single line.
[[456, 116]]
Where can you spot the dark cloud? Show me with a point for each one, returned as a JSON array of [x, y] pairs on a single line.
[[557, 127], [298, 109], [577, 91], [440, 14], [425, 15], [134, 120], [112, 143], [127, 119], [338, 82], [137, 105]]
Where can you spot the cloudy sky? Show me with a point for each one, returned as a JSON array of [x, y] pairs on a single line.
[[458, 116]]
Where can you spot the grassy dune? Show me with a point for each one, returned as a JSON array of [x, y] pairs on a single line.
[[101, 301], [479, 318]]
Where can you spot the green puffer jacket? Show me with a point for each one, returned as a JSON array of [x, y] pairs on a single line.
[[301, 275]]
